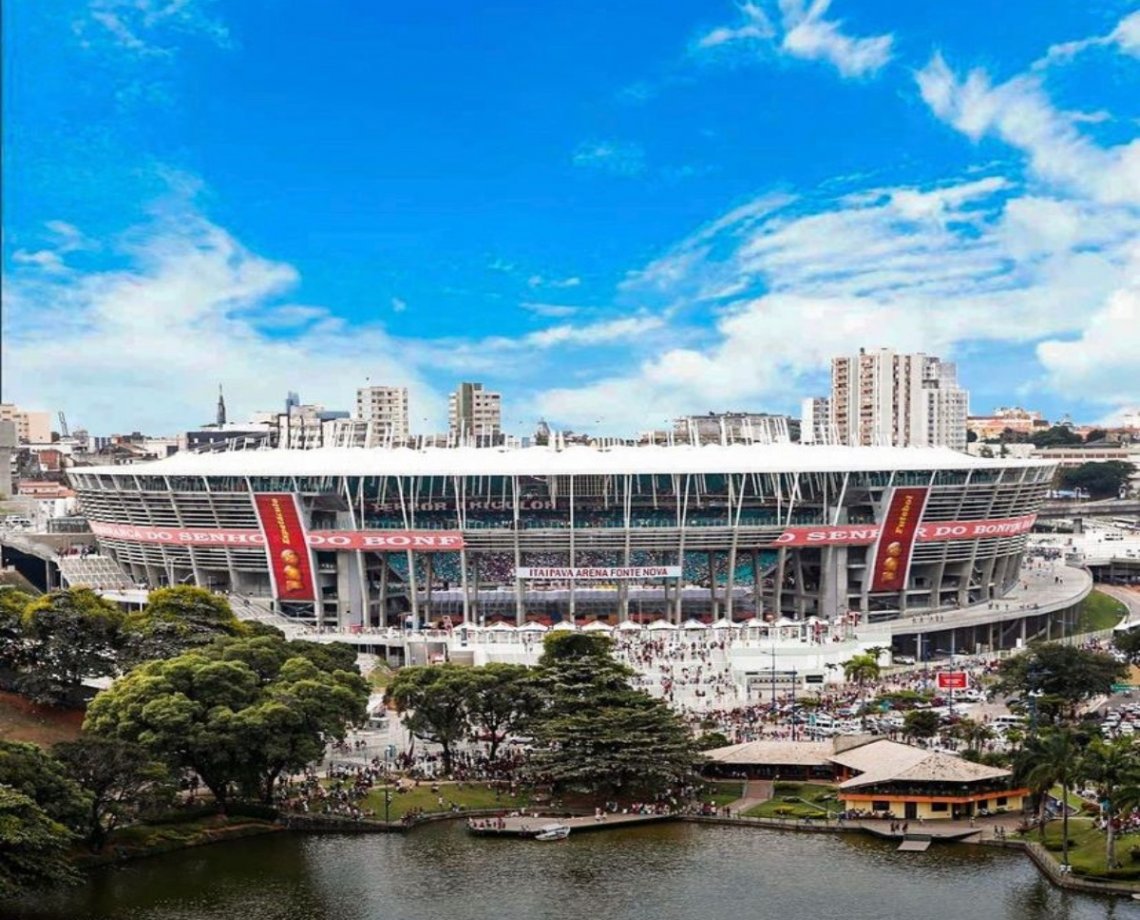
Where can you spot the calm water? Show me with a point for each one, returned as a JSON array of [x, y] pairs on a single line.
[[651, 873]]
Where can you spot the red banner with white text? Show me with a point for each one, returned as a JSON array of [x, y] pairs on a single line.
[[897, 538], [286, 546]]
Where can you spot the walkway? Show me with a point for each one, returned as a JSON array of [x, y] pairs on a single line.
[[756, 792], [529, 825]]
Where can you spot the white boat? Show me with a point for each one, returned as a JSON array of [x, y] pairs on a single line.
[[553, 832]]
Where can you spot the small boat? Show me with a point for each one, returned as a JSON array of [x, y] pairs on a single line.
[[553, 832]]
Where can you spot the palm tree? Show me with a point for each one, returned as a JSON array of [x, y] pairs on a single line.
[[862, 668], [974, 733], [1052, 758], [1114, 769]]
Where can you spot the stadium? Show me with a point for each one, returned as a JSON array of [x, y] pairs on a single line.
[[350, 539]]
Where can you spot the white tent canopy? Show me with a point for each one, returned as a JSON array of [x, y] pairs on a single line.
[[597, 626], [629, 626], [532, 627], [660, 625], [564, 626], [724, 623], [501, 627], [693, 624]]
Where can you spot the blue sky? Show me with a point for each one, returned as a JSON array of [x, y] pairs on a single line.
[[613, 212]]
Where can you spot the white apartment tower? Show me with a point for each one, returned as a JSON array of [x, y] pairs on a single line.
[[386, 409], [882, 398], [474, 412]]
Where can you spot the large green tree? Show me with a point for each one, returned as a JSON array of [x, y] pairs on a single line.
[[863, 669], [920, 723], [1048, 759], [1128, 642], [1101, 478], [1057, 436], [504, 699], [175, 620], [33, 847], [435, 701], [596, 734], [47, 782], [1061, 673], [69, 636], [239, 712], [118, 776], [13, 603]]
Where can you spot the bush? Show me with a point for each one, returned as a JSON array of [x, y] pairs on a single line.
[[181, 815], [252, 810]]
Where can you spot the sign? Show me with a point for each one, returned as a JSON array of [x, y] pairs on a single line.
[[290, 562], [933, 532], [602, 573], [896, 539], [415, 540], [952, 680], [421, 541]]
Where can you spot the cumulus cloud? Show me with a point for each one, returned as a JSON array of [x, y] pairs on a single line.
[[149, 28], [804, 32], [1020, 113], [143, 345], [1125, 38]]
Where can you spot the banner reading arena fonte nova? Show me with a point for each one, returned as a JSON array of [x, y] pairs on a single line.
[[896, 539], [286, 546]]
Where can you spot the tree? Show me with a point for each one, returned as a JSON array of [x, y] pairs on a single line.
[[973, 734], [176, 620], [920, 723], [33, 847], [43, 779], [435, 701], [596, 734], [117, 775], [70, 636], [238, 712], [1128, 642], [13, 603], [862, 668], [1049, 759], [1114, 769], [1057, 436], [504, 699], [1095, 434], [1060, 672], [1101, 478]]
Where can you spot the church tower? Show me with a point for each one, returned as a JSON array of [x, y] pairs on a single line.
[[221, 407]]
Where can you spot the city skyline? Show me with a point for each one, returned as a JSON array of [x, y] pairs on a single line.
[[588, 213]]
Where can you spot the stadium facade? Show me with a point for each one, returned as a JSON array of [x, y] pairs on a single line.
[[351, 538]]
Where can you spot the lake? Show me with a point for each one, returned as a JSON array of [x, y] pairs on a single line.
[[655, 872]]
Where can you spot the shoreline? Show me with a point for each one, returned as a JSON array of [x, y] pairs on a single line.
[[1041, 858]]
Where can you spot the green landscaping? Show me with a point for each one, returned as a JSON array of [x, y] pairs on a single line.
[[469, 796], [1099, 612], [147, 839], [797, 800], [721, 792], [1086, 849]]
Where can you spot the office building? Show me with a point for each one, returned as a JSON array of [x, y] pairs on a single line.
[[473, 412], [385, 409]]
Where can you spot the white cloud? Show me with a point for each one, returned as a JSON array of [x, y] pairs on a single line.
[[149, 27], [1019, 113], [398, 305], [804, 33], [552, 310], [617, 332], [47, 259], [755, 25], [537, 281], [1125, 38], [143, 346], [614, 157]]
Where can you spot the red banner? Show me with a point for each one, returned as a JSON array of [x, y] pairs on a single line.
[[863, 534], [286, 547], [900, 528], [952, 680]]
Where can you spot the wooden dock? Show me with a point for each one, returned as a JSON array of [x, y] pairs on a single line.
[[530, 825]]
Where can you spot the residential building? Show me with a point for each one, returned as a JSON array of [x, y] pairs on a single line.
[[1020, 421], [386, 410], [880, 398], [473, 412], [815, 424], [31, 427]]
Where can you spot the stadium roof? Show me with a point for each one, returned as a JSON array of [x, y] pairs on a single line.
[[549, 461]]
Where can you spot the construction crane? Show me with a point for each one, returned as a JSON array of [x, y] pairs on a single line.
[[63, 432]]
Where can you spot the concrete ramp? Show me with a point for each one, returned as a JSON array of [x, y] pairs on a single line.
[[915, 843]]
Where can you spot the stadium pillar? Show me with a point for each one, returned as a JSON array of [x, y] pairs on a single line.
[[413, 593], [463, 586], [384, 589]]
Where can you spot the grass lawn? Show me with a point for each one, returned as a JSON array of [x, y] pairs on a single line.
[[23, 720], [721, 792], [1099, 611], [1074, 800], [380, 676], [469, 796], [797, 800], [1086, 849]]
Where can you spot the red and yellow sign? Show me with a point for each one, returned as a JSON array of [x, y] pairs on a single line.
[[896, 539], [952, 680], [286, 546]]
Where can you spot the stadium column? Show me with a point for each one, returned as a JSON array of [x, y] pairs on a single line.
[[520, 596], [384, 589], [682, 525], [413, 594], [463, 585], [573, 611], [623, 584]]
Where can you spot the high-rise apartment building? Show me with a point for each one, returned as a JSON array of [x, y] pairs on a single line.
[[473, 412], [883, 398], [386, 410], [31, 427], [814, 421]]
